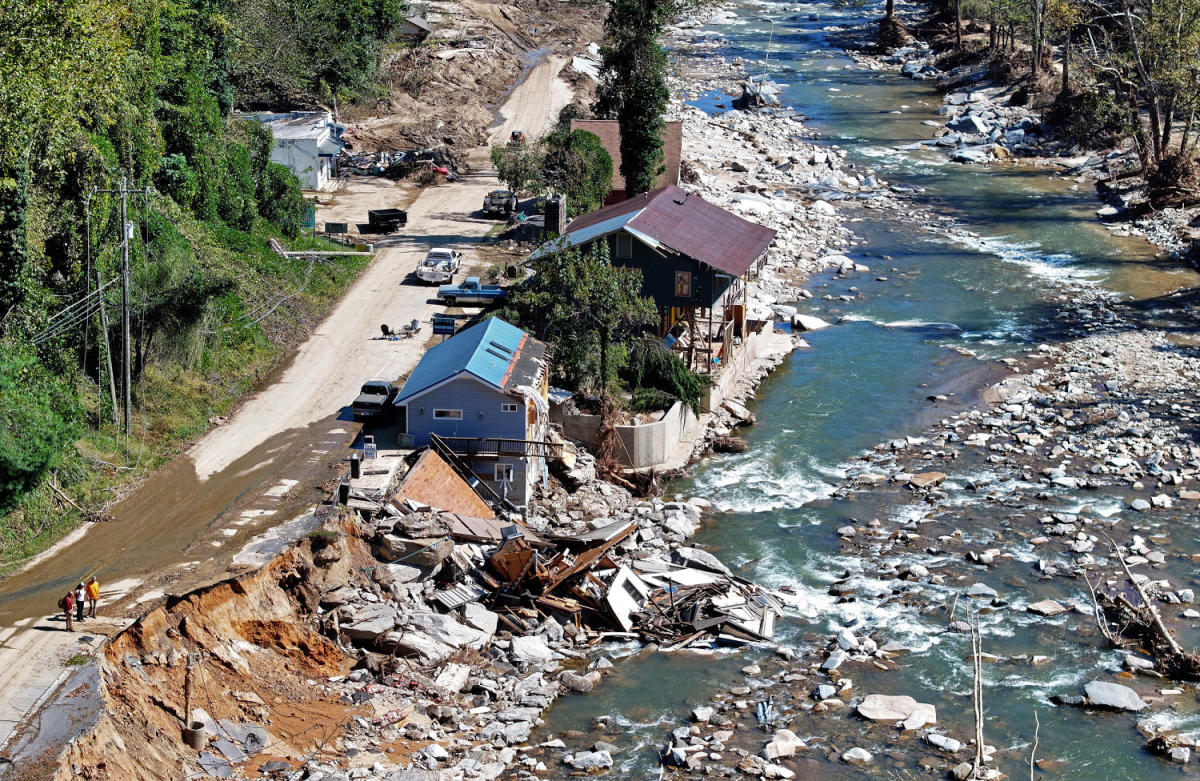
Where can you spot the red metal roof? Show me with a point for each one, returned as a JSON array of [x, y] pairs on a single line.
[[689, 225]]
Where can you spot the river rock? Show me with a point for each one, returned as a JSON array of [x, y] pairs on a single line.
[[857, 756], [590, 760], [1047, 607], [1139, 504], [784, 743], [982, 591], [927, 479], [702, 714], [890, 709], [808, 323], [1104, 694], [694, 557], [835, 660], [1181, 754], [823, 207], [944, 742], [445, 629]]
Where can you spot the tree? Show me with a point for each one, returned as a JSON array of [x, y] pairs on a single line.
[[587, 308], [519, 166], [37, 424], [575, 162], [633, 87]]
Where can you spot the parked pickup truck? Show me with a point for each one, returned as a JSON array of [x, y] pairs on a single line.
[[470, 292], [500, 202], [439, 266], [387, 220], [374, 400]]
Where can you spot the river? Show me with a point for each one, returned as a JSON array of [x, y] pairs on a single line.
[[865, 381]]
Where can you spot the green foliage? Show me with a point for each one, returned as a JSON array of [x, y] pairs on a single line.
[[519, 166], [14, 246], [576, 163], [588, 309], [1092, 118], [280, 200], [38, 420], [659, 378], [326, 48]]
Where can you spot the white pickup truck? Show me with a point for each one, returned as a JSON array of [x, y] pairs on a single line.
[[439, 266]]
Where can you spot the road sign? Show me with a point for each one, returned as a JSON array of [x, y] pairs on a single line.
[[443, 326], [336, 227]]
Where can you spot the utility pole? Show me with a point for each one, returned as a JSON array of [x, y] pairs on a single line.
[[125, 371], [112, 384]]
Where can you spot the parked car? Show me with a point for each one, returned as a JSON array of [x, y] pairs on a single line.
[[387, 220], [470, 292], [500, 202], [374, 400], [439, 266]]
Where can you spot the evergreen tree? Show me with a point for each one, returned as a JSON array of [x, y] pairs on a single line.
[[633, 86]]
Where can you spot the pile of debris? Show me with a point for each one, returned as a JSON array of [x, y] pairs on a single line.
[[402, 164], [598, 579]]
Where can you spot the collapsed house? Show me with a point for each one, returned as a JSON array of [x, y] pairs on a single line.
[[598, 581]]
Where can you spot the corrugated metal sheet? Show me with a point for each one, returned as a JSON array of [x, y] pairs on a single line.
[[488, 350], [689, 225]]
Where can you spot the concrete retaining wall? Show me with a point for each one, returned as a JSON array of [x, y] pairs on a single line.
[[651, 443]]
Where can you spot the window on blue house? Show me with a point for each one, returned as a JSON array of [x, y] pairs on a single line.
[[508, 407], [447, 414]]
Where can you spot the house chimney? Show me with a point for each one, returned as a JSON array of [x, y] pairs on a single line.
[[556, 214]]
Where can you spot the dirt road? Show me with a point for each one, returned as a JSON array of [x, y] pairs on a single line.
[[182, 526]]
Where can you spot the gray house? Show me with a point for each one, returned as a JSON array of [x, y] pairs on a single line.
[[481, 394]]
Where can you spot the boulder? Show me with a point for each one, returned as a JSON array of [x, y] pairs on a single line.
[[479, 617], [418, 552], [784, 743], [445, 629], [590, 760], [970, 123], [823, 207], [857, 756], [890, 709], [1047, 607], [452, 677], [531, 649], [370, 621], [927, 479], [808, 323], [701, 559], [1104, 694]]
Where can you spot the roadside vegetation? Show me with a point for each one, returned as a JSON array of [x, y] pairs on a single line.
[[1102, 71], [96, 90], [573, 162]]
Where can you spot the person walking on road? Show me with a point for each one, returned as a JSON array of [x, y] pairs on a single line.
[[67, 603], [93, 595], [80, 590]]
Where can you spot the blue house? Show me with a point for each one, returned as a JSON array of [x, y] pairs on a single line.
[[482, 394]]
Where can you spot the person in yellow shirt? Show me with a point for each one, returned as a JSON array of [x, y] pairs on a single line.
[[93, 595]]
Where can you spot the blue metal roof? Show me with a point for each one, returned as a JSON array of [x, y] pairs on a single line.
[[486, 350]]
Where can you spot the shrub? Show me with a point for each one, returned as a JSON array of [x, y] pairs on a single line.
[[38, 421], [280, 201], [1090, 118]]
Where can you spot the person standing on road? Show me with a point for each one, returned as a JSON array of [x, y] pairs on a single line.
[[79, 601], [93, 596], [67, 603]]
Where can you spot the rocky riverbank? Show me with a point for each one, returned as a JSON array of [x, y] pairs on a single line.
[[1002, 513], [988, 122]]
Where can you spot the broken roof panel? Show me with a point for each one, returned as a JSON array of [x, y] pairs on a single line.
[[430, 481]]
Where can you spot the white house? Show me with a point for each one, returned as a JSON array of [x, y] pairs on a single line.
[[307, 142]]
